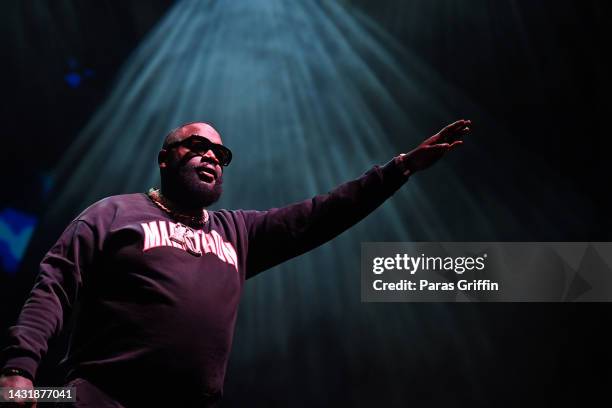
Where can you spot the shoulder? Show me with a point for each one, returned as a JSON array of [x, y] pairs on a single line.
[[239, 219], [235, 214], [108, 208], [223, 215]]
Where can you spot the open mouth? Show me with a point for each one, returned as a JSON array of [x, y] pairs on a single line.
[[206, 174]]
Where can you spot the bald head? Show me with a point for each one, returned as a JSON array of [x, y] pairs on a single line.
[[194, 128]]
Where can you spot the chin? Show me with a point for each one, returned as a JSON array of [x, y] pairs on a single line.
[[190, 190], [204, 194]]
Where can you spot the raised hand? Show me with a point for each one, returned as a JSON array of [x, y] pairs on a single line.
[[433, 148]]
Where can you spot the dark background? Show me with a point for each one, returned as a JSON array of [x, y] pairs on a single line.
[[538, 69]]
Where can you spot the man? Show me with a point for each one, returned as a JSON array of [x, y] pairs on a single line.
[[153, 281]]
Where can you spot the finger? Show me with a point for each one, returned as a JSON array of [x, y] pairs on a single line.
[[456, 125], [456, 143], [460, 127], [455, 135], [440, 148]]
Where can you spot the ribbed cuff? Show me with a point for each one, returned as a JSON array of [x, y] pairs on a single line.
[[26, 364]]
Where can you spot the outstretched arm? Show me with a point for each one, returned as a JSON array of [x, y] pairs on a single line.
[[280, 234]]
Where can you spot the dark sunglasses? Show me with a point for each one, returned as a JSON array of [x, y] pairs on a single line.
[[200, 145]]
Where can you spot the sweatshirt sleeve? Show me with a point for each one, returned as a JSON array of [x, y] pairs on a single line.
[[279, 234], [51, 299]]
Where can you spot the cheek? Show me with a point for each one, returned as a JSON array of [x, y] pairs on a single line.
[[175, 160], [186, 161], [182, 156], [194, 160]]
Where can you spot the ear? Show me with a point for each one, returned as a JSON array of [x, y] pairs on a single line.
[[162, 159]]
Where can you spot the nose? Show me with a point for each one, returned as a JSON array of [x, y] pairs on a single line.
[[210, 155]]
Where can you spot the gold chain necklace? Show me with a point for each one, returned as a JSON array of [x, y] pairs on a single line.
[[166, 205]]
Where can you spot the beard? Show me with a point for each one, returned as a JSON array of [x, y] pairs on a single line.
[[182, 184]]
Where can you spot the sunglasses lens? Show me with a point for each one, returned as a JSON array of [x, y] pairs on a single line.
[[201, 146], [222, 154]]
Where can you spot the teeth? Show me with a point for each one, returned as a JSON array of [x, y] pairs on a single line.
[[205, 173]]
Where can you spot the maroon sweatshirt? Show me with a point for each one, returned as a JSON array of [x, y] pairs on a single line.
[[147, 312]]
